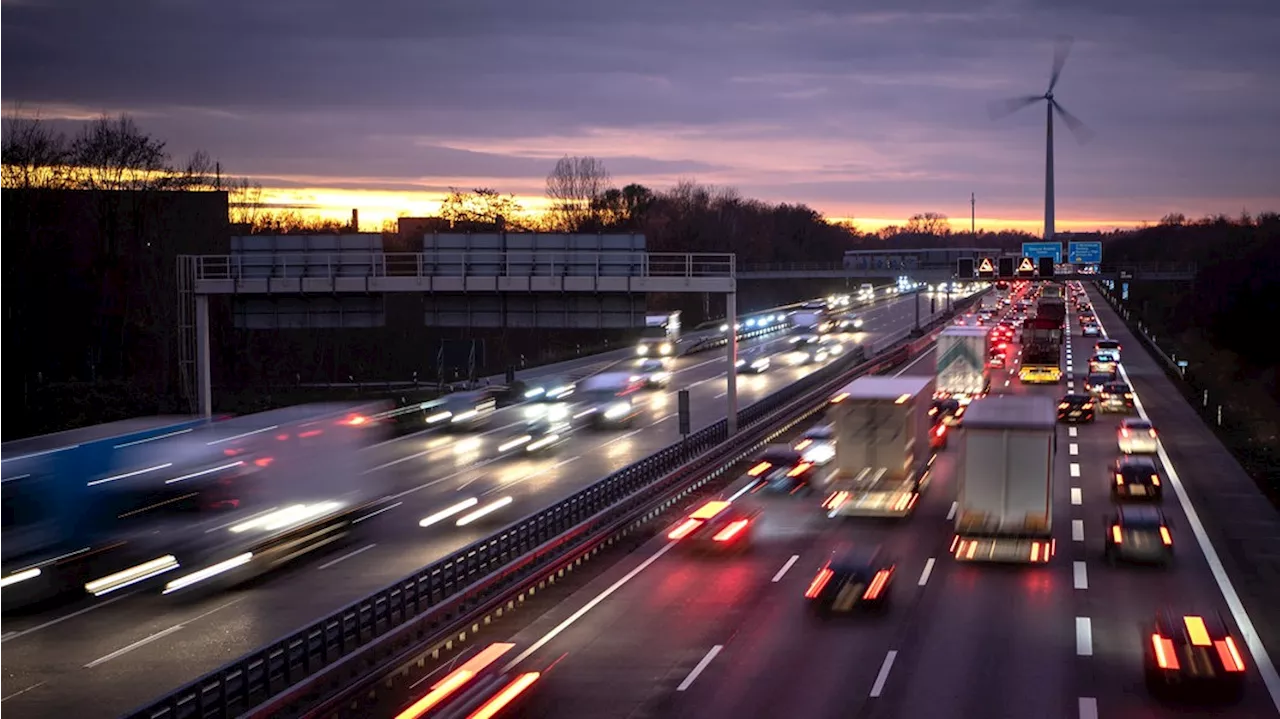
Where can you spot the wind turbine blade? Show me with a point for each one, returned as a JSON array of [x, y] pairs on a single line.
[[1059, 59], [1004, 108], [1074, 124]]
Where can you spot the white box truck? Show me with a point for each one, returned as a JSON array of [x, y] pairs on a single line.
[[881, 432], [962, 363], [1005, 506]]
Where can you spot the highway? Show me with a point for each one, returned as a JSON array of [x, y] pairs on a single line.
[[667, 634], [104, 658]]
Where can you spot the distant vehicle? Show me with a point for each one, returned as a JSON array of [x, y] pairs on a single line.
[[1136, 478], [960, 367], [1116, 397], [781, 469], [1136, 436], [652, 373], [1005, 499], [1096, 381], [1075, 408], [1108, 345], [852, 579], [1138, 533], [818, 444], [661, 336], [1193, 656], [1091, 330], [1041, 351], [1102, 363], [758, 365]]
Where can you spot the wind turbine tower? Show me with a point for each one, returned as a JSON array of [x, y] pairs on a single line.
[[1082, 133]]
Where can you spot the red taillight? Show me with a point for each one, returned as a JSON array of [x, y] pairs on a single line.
[[819, 583], [490, 709], [1152, 432], [1063, 405], [759, 469], [1124, 431], [940, 430], [1166, 537], [1166, 657], [1229, 654], [685, 529], [733, 530], [799, 469], [1115, 533], [878, 584]]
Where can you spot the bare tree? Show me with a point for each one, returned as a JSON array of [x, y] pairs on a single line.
[[114, 154], [929, 223], [244, 202], [34, 154], [574, 186], [483, 206]]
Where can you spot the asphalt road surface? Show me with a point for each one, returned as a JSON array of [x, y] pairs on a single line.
[[667, 634], [104, 658]]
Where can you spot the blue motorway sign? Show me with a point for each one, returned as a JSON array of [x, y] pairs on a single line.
[[1084, 253], [1036, 250]]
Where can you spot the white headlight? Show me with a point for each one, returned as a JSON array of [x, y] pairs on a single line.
[[618, 410]]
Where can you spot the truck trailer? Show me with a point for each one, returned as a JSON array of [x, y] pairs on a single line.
[[1041, 351], [882, 452], [1004, 511], [661, 336], [962, 363]]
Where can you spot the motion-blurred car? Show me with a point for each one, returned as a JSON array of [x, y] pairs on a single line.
[[1136, 478], [996, 361], [1136, 436], [1074, 408], [1116, 397], [780, 469], [1138, 533], [858, 578], [652, 373], [818, 444], [948, 411], [478, 687], [758, 365], [1102, 363], [1109, 346], [716, 526], [1194, 656], [1096, 381], [807, 351], [1091, 330]]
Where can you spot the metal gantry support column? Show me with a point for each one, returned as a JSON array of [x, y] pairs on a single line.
[[204, 384], [731, 372]]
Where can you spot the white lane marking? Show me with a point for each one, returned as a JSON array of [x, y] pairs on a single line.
[[507, 485], [1079, 575], [781, 572], [1006, 383], [348, 555], [722, 394], [1072, 431], [1259, 651], [928, 569], [619, 438], [914, 362], [1077, 530], [951, 513], [158, 635], [883, 676], [59, 620], [688, 681], [1073, 449], [7, 635], [1084, 637], [1075, 469], [595, 601], [20, 692], [1071, 386], [373, 514], [1076, 499], [1088, 708]]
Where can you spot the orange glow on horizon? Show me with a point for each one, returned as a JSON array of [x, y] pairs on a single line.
[[379, 206]]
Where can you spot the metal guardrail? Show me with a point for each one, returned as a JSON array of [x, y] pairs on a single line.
[[472, 263], [436, 595], [1138, 271]]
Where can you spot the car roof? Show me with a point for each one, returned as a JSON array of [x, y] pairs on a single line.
[[1076, 396], [856, 558], [780, 454], [820, 431], [1140, 515], [1136, 422], [1118, 385], [1132, 462]]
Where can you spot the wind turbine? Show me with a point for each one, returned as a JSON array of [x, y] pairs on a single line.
[[1082, 134]]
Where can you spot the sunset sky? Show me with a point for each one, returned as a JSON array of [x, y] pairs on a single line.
[[867, 109]]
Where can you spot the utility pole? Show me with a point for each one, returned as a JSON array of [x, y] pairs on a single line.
[[973, 214]]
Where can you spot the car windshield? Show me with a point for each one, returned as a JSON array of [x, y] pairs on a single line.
[[783, 457], [1138, 424], [1076, 398], [858, 562], [1141, 464]]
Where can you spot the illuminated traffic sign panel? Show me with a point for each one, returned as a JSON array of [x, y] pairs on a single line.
[[986, 268], [1026, 268]]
